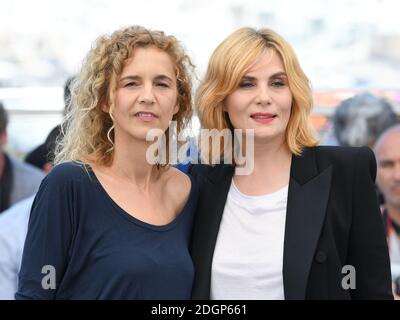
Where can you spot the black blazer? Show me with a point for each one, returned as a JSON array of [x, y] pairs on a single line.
[[332, 220]]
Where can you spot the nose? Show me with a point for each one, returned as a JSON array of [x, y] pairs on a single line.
[[263, 96], [146, 96]]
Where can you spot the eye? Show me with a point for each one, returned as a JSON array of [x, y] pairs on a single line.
[[386, 164], [246, 84], [162, 85], [130, 84], [278, 83]]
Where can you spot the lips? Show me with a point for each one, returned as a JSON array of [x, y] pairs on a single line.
[[146, 116], [261, 117]]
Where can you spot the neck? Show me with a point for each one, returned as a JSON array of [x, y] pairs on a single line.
[[271, 169], [272, 161], [271, 156], [130, 163]]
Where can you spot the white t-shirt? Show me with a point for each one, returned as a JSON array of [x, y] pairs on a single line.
[[248, 256]]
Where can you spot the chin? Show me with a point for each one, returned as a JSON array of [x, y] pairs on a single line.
[[264, 138], [138, 133], [265, 134], [142, 134], [269, 136]]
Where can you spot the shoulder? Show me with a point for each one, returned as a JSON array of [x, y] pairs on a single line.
[[23, 205], [13, 226], [342, 155], [177, 180], [22, 169], [67, 173], [336, 151], [178, 186], [347, 160], [16, 215]]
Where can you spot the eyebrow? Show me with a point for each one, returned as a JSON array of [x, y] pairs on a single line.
[[159, 77], [275, 75], [386, 161], [163, 77]]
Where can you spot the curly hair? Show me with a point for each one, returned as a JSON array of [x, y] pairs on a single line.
[[87, 131]]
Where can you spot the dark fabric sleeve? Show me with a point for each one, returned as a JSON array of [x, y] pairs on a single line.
[[48, 239], [368, 251]]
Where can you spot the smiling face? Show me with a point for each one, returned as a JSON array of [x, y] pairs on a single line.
[[263, 99], [146, 95]]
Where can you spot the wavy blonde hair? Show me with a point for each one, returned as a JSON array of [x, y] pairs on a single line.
[[229, 63], [88, 135]]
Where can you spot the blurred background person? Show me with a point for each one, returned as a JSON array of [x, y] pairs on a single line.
[[13, 228], [38, 156], [387, 151], [360, 120], [18, 180]]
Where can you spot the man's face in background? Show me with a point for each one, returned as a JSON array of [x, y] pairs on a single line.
[[388, 160]]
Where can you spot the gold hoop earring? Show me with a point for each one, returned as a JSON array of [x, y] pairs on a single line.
[[109, 133]]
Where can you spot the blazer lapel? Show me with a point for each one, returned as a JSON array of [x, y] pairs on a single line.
[[306, 206]]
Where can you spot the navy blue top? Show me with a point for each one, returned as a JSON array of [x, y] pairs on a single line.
[[97, 249]]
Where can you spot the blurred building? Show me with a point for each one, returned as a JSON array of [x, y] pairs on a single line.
[[344, 46]]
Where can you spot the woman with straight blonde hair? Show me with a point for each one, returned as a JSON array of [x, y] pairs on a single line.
[[305, 222], [108, 223]]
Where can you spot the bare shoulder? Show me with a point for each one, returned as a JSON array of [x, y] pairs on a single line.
[[176, 179], [177, 186]]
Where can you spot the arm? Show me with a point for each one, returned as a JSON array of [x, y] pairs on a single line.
[[368, 251], [48, 239]]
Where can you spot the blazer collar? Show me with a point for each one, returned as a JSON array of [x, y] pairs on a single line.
[[303, 168]]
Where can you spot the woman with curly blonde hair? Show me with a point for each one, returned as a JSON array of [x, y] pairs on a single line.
[[107, 223]]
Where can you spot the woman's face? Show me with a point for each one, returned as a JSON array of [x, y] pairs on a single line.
[[146, 95], [263, 100]]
